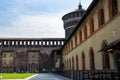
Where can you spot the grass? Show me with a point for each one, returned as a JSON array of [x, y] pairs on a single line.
[[15, 75]]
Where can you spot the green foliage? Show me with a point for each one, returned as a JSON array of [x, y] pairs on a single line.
[[15, 75]]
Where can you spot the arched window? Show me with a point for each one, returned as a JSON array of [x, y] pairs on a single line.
[[101, 17], [85, 32], [105, 56], [69, 47], [83, 60], [80, 33], [91, 57], [67, 65], [75, 40], [72, 63], [77, 63], [113, 8], [91, 25], [72, 44]]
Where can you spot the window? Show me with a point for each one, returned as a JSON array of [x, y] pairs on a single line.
[[80, 33], [58, 43], [4, 42], [55, 43], [72, 63], [20, 43], [71, 44], [62, 42], [91, 25], [32, 42], [67, 65], [28, 42], [13, 42], [85, 32], [16, 42], [47, 42], [51, 43], [83, 60], [77, 63], [113, 8], [75, 40], [101, 17], [36, 43], [24, 42], [39, 42], [69, 47], [91, 56], [0, 43], [43, 42]]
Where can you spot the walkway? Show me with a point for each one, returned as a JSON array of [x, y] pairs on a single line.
[[48, 76]]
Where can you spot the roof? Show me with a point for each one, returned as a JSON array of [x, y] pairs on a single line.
[[89, 9], [80, 10]]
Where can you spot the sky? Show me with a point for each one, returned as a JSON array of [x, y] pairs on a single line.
[[35, 18]]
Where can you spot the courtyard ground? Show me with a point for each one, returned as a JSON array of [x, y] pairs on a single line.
[[43, 76]]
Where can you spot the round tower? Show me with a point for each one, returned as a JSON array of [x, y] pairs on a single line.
[[70, 20]]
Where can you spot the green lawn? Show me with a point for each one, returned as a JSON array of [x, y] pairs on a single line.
[[15, 75]]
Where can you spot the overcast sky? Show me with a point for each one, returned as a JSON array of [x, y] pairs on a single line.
[[35, 18]]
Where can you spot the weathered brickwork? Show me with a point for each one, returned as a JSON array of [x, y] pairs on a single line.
[[27, 55]]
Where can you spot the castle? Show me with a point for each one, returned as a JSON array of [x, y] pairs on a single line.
[[34, 54], [92, 44]]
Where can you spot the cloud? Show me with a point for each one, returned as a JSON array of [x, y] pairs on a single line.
[[35, 18], [43, 25]]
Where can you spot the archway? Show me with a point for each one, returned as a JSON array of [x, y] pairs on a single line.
[[91, 57], [83, 60], [105, 56], [72, 63], [77, 63]]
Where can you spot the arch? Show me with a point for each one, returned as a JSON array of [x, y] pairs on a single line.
[[72, 63], [91, 25], [83, 60], [75, 40], [67, 64], [32, 67], [117, 60], [113, 8], [77, 63], [85, 32], [91, 57], [101, 17], [71, 44], [80, 34], [105, 56]]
